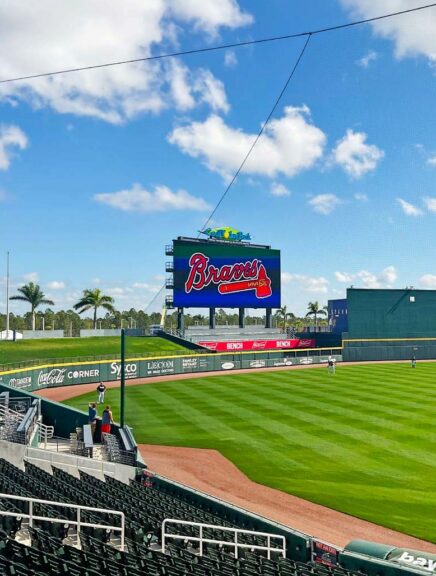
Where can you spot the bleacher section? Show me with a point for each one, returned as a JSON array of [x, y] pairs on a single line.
[[145, 506], [200, 333]]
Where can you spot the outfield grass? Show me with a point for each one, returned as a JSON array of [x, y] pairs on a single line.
[[362, 441], [73, 347]]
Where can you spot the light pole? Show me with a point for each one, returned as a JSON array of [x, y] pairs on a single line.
[[123, 376], [7, 295]]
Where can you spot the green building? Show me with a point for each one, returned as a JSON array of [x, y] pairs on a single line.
[[385, 324]]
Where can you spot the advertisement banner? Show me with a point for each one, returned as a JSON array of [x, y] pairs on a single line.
[[29, 379], [325, 554], [253, 345], [225, 275]]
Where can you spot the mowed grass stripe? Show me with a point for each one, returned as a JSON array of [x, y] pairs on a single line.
[[361, 441], [228, 422], [339, 440]]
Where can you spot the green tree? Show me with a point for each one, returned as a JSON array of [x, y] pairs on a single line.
[[315, 311], [32, 294], [93, 300], [282, 316]]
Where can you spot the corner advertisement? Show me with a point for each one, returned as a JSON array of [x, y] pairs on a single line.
[[225, 275]]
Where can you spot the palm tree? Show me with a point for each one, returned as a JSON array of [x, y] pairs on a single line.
[[94, 299], [315, 311], [283, 315], [32, 294]]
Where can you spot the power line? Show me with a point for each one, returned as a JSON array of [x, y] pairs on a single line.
[[250, 150], [261, 131], [219, 47]]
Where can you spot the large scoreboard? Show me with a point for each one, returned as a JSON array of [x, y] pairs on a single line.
[[212, 274]]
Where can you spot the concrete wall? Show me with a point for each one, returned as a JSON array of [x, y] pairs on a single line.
[[37, 334]]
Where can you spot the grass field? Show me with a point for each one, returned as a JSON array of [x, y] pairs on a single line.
[[362, 441], [72, 347]]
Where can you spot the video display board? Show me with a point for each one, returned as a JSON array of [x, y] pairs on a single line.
[[220, 275]]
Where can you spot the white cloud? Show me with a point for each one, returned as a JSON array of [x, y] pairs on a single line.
[[185, 86], [289, 144], [317, 284], [428, 281], [413, 34], [56, 285], [366, 60], [430, 203], [210, 16], [278, 189], [87, 32], [432, 160], [344, 277], [146, 286], [408, 208], [325, 203], [10, 137], [385, 279], [230, 59], [31, 277], [162, 198], [360, 197], [355, 156]]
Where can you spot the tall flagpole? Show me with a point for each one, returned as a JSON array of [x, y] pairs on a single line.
[[7, 295]]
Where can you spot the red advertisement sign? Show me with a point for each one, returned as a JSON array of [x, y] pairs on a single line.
[[253, 345]]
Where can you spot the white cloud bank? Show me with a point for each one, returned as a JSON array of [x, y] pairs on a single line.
[[280, 190], [288, 145], [313, 284], [385, 279], [161, 199], [409, 209], [413, 34], [43, 35], [355, 156], [324, 203], [11, 138]]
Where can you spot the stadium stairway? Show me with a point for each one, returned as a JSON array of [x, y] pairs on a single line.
[[51, 549]]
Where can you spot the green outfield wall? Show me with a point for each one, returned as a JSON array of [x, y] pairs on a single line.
[[407, 313], [361, 350], [71, 373]]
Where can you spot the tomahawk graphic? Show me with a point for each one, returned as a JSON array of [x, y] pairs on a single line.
[[261, 285]]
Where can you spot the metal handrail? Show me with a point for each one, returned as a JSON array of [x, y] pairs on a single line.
[[78, 523], [236, 545]]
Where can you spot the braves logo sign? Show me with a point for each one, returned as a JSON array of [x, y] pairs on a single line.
[[239, 277]]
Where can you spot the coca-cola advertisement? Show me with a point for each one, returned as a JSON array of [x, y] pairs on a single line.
[[253, 345], [53, 377], [216, 274]]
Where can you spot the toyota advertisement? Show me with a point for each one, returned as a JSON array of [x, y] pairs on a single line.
[[219, 275]]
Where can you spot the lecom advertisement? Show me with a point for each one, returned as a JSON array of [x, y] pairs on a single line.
[[218, 275]]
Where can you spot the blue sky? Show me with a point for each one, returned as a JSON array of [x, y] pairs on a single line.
[[99, 170]]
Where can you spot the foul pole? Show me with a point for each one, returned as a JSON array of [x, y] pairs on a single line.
[[123, 376]]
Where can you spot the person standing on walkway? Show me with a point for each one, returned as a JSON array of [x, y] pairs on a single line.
[[92, 417], [106, 420], [101, 388]]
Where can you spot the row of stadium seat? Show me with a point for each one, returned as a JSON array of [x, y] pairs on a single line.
[[145, 509]]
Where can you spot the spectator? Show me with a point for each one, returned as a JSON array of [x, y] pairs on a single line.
[[106, 420], [101, 390], [92, 417]]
